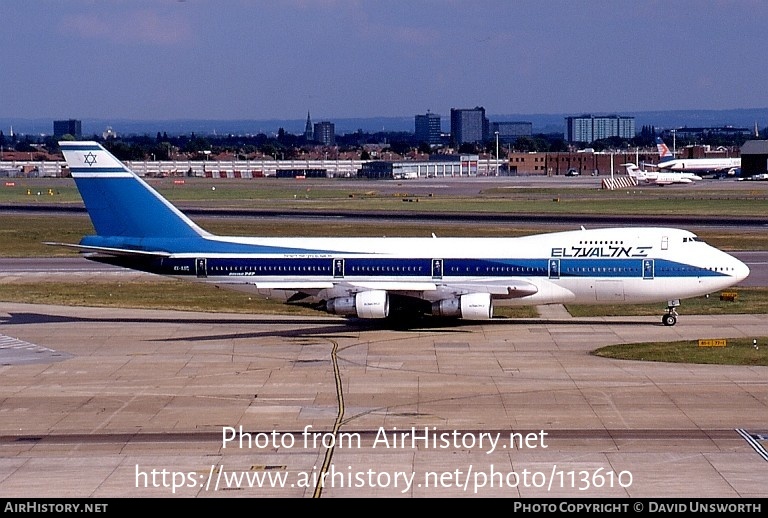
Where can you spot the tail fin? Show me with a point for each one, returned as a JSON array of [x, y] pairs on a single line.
[[119, 203], [664, 152], [632, 170]]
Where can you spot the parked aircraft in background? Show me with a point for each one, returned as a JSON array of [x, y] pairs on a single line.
[[668, 161], [659, 177], [379, 277]]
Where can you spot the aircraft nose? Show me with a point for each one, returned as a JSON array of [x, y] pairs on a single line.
[[741, 270]]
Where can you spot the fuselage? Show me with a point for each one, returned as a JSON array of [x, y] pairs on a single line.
[[667, 178], [701, 164], [624, 265]]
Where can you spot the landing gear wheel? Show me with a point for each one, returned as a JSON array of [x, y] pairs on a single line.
[[669, 319]]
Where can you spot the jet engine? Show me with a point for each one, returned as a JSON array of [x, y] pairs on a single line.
[[366, 304], [472, 306]]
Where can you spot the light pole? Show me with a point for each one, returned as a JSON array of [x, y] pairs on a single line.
[[674, 149], [497, 152], [207, 153]]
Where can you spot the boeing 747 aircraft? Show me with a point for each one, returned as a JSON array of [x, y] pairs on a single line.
[[375, 277]]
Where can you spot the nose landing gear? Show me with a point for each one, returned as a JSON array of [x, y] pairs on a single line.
[[670, 317]]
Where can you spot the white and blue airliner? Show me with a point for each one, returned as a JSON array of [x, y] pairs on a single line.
[[375, 278]]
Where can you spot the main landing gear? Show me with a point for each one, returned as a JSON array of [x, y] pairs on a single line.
[[670, 317]]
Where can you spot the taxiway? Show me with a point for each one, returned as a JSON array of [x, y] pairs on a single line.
[[136, 403]]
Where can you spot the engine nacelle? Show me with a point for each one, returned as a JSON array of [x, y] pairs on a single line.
[[366, 304], [472, 306]]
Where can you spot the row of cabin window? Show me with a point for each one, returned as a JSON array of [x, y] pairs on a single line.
[[515, 269]]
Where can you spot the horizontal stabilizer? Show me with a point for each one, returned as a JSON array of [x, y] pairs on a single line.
[[111, 251]]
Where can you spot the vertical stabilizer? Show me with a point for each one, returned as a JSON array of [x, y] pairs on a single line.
[[120, 203], [664, 152]]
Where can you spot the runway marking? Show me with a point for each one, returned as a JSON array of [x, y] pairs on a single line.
[[14, 351], [8, 342], [752, 441]]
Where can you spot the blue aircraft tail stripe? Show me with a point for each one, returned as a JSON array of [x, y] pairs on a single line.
[[120, 204]]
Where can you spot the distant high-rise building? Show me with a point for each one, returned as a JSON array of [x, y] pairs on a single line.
[[428, 128], [469, 125], [511, 131], [308, 133], [588, 128], [325, 133], [68, 127]]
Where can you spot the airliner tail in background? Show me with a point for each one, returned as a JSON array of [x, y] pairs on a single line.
[[384, 277], [720, 166], [665, 154]]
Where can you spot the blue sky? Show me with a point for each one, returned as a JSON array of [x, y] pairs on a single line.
[[240, 59]]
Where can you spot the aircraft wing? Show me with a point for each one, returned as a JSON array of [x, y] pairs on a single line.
[[506, 289], [299, 286], [392, 286]]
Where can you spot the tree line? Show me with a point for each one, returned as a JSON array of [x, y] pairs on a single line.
[[287, 146]]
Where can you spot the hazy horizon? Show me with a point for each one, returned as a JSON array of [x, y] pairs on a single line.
[[542, 123], [346, 59]]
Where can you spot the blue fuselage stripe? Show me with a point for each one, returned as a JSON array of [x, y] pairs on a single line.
[[289, 268]]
